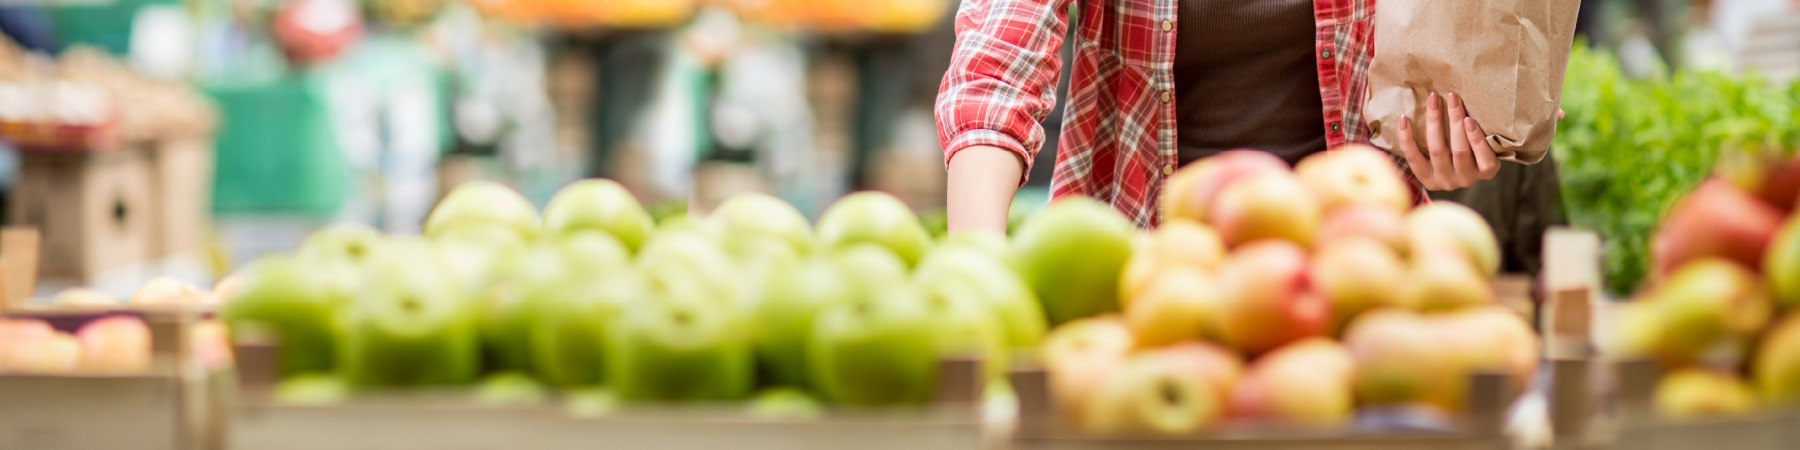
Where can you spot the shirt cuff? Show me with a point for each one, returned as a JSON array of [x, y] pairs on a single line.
[[991, 138]]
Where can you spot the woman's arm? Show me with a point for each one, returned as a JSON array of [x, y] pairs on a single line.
[[981, 186], [1000, 86]]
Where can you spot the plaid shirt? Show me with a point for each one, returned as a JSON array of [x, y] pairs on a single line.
[[1118, 142]]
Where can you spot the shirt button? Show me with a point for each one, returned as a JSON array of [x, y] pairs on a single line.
[[1325, 54], [1168, 169], [1168, 25], [1334, 128], [1167, 97]]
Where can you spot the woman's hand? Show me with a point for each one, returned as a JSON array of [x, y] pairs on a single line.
[[1457, 154]]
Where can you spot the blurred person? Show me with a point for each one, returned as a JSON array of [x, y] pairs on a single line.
[[29, 26], [1156, 84]]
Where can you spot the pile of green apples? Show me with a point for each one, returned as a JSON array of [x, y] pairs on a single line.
[[596, 301]]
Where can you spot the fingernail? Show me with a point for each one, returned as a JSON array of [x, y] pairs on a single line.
[[1451, 97], [1432, 103], [1405, 122]]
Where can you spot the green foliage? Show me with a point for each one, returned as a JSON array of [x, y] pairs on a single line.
[[1629, 148]]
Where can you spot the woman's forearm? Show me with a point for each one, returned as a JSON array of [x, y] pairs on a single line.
[[982, 181]]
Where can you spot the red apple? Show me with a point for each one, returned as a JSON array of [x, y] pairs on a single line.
[[53, 353], [1400, 359], [1355, 175], [115, 344], [1080, 355], [1176, 244], [167, 290], [1357, 275], [1268, 299], [1182, 303], [1717, 219], [1306, 383], [1190, 193], [1380, 223], [1446, 226], [1154, 393], [1270, 205]]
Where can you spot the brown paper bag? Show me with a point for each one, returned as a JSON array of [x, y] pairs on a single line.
[[1505, 58]]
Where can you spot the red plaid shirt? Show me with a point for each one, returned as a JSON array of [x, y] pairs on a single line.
[[1118, 142]]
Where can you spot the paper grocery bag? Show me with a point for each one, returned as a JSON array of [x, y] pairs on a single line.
[[1505, 58]]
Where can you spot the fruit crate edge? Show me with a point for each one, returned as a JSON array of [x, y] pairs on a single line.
[[259, 424]]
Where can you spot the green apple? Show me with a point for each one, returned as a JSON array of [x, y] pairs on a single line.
[[511, 389], [955, 271], [478, 204], [1072, 255], [603, 205], [685, 257], [590, 402], [984, 241], [298, 302], [968, 327], [491, 237], [1782, 264], [759, 257], [591, 252], [350, 242], [572, 323], [870, 268], [785, 404], [877, 218], [878, 350], [782, 316], [506, 318], [760, 216], [312, 389], [409, 327], [680, 347]]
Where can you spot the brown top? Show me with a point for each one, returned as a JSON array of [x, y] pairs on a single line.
[[1245, 78]]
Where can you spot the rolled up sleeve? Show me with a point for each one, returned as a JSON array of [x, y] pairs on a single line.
[[1002, 77]]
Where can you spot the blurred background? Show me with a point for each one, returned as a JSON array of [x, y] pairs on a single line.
[[235, 127]]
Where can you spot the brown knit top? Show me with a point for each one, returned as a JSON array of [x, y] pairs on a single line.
[[1245, 78]]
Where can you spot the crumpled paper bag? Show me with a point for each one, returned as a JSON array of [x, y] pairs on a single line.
[[1505, 58]]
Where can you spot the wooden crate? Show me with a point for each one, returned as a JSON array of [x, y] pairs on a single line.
[[410, 422], [1040, 427], [174, 406], [1640, 428], [92, 208], [181, 191]]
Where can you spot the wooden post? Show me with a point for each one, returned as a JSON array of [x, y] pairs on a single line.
[[258, 369], [1037, 409], [18, 265], [1571, 398], [1637, 390], [960, 384], [1490, 395]]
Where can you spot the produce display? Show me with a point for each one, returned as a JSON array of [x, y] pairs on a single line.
[[1719, 317], [1269, 294], [591, 297], [115, 340], [76, 103], [1630, 147]]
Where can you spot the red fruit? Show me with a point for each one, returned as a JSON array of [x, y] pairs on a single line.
[[1267, 299], [1717, 219], [1191, 192], [115, 344], [1781, 186]]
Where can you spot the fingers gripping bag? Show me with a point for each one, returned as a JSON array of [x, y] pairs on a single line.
[[1505, 58]]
